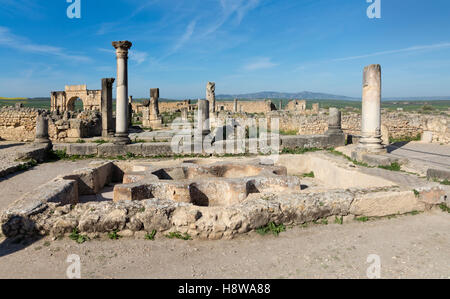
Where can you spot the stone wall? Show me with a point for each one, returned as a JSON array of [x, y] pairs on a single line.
[[19, 124], [398, 124]]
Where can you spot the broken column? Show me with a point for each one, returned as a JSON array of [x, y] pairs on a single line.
[[184, 115], [42, 129], [211, 95], [371, 110], [107, 108], [130, 111], [235, 106], [121, 136], [203, 117], [334, 122], [155, 117]]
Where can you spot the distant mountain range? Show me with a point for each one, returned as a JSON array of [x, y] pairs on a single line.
[[307, 95]]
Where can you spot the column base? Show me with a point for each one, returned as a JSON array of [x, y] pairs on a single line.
[[121, 139]]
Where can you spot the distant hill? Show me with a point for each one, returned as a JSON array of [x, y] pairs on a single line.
[[307, 95]]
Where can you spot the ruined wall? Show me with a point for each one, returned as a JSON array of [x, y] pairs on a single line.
[[398, 124], [19, 124]]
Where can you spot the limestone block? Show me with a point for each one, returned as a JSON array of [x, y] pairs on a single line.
[[112, 150], [381, 204], [82, 149]]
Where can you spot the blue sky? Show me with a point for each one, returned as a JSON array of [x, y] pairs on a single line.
[[242, 45]]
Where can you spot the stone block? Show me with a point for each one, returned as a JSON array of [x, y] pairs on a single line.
[[82, 149], [112, 150], [440, 174], [157, 149], [91, 180], [381, 204]]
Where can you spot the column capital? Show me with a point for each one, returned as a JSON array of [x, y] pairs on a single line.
[[122, 48]]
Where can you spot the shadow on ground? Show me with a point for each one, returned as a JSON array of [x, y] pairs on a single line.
[[13, 245]]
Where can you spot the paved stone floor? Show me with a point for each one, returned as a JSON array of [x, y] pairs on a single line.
[[423, 155]]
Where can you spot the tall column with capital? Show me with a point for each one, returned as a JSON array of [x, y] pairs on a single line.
[[121, 136]]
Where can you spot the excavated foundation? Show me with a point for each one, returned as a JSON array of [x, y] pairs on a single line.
[[209, 198]]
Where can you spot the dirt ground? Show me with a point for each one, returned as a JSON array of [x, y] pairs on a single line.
[[408, 247]]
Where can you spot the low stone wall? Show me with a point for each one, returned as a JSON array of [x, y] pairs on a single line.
[[164, 149], [19, 124], [398, 124]]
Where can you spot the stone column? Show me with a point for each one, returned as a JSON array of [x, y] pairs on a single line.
[[211, 95], [154, 102], [371, 110], [121, 136], [334, 122], [184, 114], [203, 117], [107, 108], [130, 111], [42, 129], [235, 106]]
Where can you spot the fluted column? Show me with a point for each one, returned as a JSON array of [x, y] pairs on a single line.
[[121, 136]]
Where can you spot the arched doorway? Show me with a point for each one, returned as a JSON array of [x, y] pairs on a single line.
[[75, 104]]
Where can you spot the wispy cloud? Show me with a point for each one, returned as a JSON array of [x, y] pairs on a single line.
[[239, 8], [10, 40], [186, 36], [259, 64], [134, 55], [28, 8], [404, 50]]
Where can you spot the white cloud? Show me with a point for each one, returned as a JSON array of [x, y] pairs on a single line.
[[404, 50], [138, 56], [7, 39], [259, 64]]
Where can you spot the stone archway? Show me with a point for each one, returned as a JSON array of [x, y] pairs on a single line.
[[64, 100], [73, 102]]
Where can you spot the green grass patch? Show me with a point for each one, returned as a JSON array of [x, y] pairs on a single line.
[[178, 235], [418, 137], [27, 165], [393, 167], [272, 228], [299, 151], [151, 236], [288, 132], [362, 219], [309, 175], [445, 182], [77, 237], [444, 208], [339, 220], [114, 235]]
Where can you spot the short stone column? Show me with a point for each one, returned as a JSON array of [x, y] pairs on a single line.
[[203, 126], [130, 111], [371, 110], [107, 108], [211, 95], [42, 129], [334, 122], [121, 136], [235, 106], [184, 115]]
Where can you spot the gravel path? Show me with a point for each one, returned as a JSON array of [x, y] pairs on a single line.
[[408, 246]]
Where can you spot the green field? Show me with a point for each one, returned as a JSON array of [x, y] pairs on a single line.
[[427, 107]]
